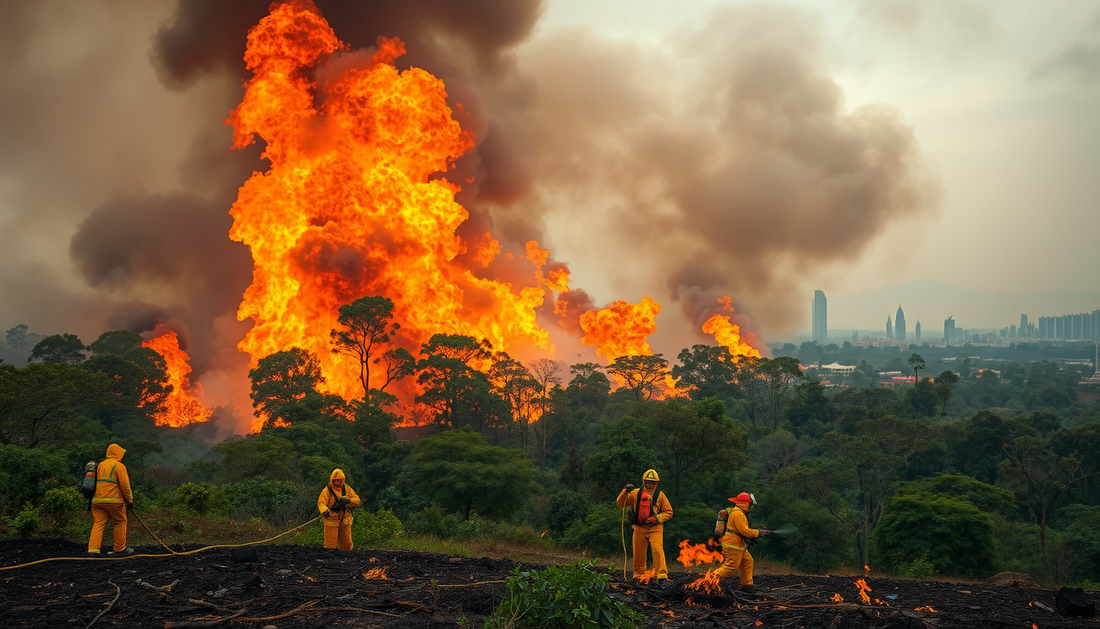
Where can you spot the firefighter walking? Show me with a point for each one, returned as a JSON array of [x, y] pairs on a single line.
[[732, 529], [335, 504], [651, 511], [109, 503]]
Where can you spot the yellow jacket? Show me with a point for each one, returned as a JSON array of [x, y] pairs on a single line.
[[328, 498], [112, 484], [737, 529], [662, 510]]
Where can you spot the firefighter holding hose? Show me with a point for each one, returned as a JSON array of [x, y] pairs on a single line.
[[732, 530], [651, 511], [335, 504]]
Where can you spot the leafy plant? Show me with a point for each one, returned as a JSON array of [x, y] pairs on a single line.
[[61, 504], [26, 521], [919, 568], [561, 596]]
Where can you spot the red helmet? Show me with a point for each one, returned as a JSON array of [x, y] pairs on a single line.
[[744, 497]]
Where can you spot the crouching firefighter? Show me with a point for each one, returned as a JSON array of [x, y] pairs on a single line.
[[651, 511], [335, 504], [109, 502], [732, 530]]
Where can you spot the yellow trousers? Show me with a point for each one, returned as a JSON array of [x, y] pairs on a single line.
[[101, 513], [654, 537], [734, 561], [338, 536]]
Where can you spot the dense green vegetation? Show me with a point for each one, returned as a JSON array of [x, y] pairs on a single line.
[[965, 473]]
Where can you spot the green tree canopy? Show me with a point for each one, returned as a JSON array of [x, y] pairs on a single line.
[[462, 473], [37, 400], [640, 374], [953, 535], [116, 342], [367, 324], [63, 349], [707, 369], [459, 394]]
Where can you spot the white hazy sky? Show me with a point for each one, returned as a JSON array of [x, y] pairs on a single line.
[[1004, 99]]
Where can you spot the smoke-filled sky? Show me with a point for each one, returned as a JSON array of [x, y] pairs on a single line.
[[680, 151]]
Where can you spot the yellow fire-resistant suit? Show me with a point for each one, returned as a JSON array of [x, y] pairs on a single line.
[[735, 552], [338, 523], [112, 494], [652, 535]]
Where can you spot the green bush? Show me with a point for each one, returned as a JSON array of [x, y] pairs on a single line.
[[265, 498], [61, 504], [26, 521], [919, 568], [951, 534], [601, 532], [561, 596], [27, 473], [202, 499], [565, 508], [375, 529]]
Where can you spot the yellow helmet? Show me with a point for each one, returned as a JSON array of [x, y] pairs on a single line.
[[651, 475]]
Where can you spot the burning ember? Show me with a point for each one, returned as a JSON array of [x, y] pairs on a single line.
[[708, 583], [863, 590], [837, 598], [180, 406], [645, 577], [377, 574], [694, 554], [926, 608]]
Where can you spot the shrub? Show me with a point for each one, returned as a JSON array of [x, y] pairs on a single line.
[[26, 521], [601, 532], [61, 504], [27, 473], [202, 499], [953, 535], [564, 509], [263, 497], [561, 596], [374, 529], [919, 568]]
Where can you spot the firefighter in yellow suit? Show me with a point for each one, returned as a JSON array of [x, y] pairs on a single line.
[[112, 497], [651, 514], [335, 504], [735, 546]]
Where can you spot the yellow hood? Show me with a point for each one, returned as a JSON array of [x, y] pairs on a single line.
[[115, 451]]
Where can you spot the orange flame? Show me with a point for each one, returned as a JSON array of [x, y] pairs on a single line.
[[863, 590], [926, 608], [351, 205], [621, 329], [694, 554], [378, 574], [837, 598], [708, 583], [728, 333], [645, 577], [180, 407]]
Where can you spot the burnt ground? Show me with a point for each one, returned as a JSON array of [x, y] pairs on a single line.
[[294, 587]]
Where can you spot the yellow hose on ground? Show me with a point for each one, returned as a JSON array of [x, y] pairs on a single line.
[[172, 552]]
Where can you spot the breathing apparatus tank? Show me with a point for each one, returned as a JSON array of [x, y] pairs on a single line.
[[720, 525], [87, 484]]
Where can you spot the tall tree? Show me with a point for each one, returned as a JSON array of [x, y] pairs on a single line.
[[116, 342], [945, 386], [65, 349], [458, 393], [767, 383], [640, 374], [867, 465], [37, 400], [21, 341], [545, 372], [707, 370], [589, 386], [283, 379], [515, 384], [368, 323], [1040, 478], [916, 363]]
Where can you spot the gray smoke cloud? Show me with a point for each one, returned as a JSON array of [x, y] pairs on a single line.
[[721, 161]]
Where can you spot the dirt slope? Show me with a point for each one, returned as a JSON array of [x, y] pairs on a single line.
[[291, 587]]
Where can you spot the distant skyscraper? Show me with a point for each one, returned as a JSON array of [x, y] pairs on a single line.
[[889, 328], [821, 318], [899, 324], [916, 333], [949, 330], [1023, 325]]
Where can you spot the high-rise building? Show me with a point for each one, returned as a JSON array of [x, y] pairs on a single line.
[[889, 327], [1023, 325], [820, 318], [899, 324], [949, 330], [916, 333]]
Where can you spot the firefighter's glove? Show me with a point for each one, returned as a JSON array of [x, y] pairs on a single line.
[[651, 520], [765, 532], [628, 487], [326, 513], [344, 501], [717, 539]]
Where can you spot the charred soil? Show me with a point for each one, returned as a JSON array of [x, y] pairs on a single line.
[[290, 587]]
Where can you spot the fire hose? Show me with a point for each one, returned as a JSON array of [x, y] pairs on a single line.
[[166, 547]]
